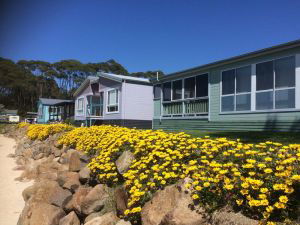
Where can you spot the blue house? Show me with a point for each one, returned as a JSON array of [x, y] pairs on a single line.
[[54, 110]]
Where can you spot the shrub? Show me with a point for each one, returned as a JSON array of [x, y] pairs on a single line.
[[42, 131]]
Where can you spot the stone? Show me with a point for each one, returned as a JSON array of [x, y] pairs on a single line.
[[171, 207], [84, 174], [46, 191], [77, 200], [124, 161], [121, 199], [70, 219], [123, 222], [69, 180], [106, 219], [39, 156], [226, 216], [95, 200], [40, 213], [56, 152], [74, 162], [94, 215]]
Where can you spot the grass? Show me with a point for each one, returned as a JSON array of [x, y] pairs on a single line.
[[251, 136]]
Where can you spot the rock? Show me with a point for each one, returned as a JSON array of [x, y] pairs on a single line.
[[124, 161], [69, 180], [121, 199], [39, 156], [226, 216], [84, 175], [95, 200], [123, 222], [56, 152], [171, 207], [74, 162], [46, 191], [70, 219], [40, 214], [77, 200], [94, 215], [106, 219]]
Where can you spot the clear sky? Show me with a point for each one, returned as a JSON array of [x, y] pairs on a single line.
[[143, 35]]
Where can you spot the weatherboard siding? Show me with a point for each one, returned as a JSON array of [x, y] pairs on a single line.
[[289, 120]]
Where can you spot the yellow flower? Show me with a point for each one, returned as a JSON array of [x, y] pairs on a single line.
[[283, 199]]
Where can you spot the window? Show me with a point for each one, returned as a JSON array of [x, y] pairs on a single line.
[[177, 90], [167, 91], [275, 84], [112, 101], [189, 87], [95, 105], [236, 89], [202, 86], [80, 105], [157, 91]]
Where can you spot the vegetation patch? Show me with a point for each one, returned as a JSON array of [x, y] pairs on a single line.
[[261, 180]]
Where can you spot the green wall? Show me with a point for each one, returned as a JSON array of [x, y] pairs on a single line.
[[234, 121]]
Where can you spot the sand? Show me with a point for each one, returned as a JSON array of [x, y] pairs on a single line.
[[11, 200]]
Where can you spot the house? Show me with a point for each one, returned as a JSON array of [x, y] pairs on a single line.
[[114, 99], [9, 115], [54, 110], [255, 91]]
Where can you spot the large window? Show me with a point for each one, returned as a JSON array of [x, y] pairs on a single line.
[[236, 89], [202, 86], [189, 87], [157, 91], [167, 91], [275, 84], [112, 101], [95, 105], [177, 90]]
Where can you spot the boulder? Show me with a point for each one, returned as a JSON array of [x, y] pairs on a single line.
[[226, 216], [124, 161], [84, 175], [106, 219], [121, 199], [74, 162], [77, 200], [171, 207], [95, 200], [123, 222], [69, 180], [70, 219], [40, 213], [46, 191], [94, 215]]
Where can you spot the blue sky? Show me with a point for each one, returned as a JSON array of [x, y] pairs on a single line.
[[143, 35]]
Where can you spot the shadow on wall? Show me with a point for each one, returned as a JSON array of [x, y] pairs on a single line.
[[272, 124]]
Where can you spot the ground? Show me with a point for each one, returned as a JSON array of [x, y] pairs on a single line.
[[252, 136], [11, 199]]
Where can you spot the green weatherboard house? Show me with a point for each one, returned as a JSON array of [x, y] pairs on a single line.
[[255, 91]]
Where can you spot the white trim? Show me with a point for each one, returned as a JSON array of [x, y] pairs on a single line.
[[118, 96], [253, 87], [297, 81]]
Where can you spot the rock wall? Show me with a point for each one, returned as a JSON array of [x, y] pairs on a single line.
[[65, 193]]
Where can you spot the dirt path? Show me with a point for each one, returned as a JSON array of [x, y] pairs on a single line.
[[11, 201]]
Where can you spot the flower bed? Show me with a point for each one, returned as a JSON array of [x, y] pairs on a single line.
[[261, 180]]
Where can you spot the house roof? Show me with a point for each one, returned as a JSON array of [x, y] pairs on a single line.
[[119, 78], [9, 112], [273, 49], [122, 77], [51, 101]]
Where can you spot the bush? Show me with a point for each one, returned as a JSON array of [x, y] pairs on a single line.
[[260, 180], [42, 131]]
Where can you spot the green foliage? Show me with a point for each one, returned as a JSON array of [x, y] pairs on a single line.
[[22, 83]]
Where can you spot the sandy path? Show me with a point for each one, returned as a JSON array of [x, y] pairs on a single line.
[[11, 200]]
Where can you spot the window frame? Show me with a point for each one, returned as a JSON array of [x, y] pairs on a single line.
[[118, 99], [254, 91], [183, 100], [78, 110], [235, 94]]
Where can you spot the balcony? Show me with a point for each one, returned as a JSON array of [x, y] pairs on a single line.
[[186, 108]]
